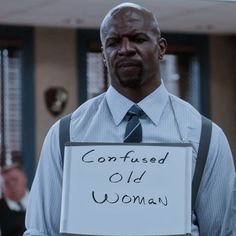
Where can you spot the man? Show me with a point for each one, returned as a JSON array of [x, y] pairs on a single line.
[[234, 209], [14, 201], [132, 49]]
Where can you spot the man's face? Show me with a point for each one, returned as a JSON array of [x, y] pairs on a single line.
[[131, 49], [14, 184]]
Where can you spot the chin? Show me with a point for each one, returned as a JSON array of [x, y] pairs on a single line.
[[131, 82]]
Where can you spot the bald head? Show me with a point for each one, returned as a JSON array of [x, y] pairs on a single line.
[[132, 9]]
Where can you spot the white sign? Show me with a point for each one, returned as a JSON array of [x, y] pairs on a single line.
[[120, 189]]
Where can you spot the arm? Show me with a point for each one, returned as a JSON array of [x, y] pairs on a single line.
[[43, 210], [233, 209], [216, 188]]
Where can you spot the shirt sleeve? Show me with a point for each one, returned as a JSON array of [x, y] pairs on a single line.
[[44, 206], [215, 192], [233, 209]]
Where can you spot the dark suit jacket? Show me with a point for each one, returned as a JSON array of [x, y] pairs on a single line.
[[12, 223]]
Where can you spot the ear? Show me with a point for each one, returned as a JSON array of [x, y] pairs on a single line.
[[162, 48], [103, 57]]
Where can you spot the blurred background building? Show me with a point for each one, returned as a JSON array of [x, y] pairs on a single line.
[[50, 62]]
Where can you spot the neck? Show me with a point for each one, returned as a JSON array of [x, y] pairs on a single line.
[[136, 94]]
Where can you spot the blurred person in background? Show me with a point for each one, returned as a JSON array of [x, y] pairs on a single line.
[[14, 200]]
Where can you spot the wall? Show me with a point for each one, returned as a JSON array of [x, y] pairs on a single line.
[[55, 65], [223, 85]]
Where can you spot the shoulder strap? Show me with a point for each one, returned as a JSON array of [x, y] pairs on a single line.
[[64, 134], [201, 157]]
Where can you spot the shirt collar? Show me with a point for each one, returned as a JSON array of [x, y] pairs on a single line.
[[153, 105], [14, 206], [118, 104]]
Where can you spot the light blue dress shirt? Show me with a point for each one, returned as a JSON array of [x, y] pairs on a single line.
[[233, 210], [168, 119]]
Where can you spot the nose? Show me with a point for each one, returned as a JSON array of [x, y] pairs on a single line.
[[126, 48]]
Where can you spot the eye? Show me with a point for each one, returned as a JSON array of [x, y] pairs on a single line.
[[112, 42], [139, 39]]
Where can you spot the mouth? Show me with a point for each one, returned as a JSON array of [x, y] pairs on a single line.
[[126, 64], [129, 69]]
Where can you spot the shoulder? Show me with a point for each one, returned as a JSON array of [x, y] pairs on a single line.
[[193, 118], [89, 107], [186, 109], [189, 119], [86, 114], [2, 202], [3, 206], [84, 110], [219, 142]]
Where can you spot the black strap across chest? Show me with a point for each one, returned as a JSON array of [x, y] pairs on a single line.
[[203, 149]]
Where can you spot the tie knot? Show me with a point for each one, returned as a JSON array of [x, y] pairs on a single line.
[[135, 110]]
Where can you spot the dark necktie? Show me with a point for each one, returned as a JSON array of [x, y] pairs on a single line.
[[133, 132]]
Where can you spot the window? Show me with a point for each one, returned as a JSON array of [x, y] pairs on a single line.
[[96, 82], [17, 116], [181, 76], [10, 105]]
